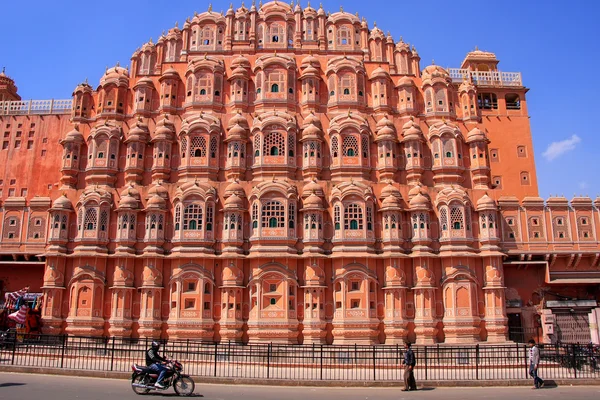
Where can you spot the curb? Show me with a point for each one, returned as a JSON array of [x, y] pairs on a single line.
[[300, 383]]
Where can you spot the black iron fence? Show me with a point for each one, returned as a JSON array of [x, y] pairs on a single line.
[[305, 362]]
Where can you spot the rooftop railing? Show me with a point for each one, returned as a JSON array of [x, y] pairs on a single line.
[[487, 78], [36, 107]]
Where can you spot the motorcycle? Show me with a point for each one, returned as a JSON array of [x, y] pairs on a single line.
[[143, 379]]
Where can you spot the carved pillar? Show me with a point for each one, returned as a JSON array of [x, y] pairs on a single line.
[[53, 290], [425, 312]]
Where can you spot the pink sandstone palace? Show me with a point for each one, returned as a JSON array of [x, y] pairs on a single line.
[[285, 174]]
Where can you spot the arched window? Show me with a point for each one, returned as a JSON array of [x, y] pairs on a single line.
[[348, 83], [274, 144], [276, 80], [192, 217], [198, 146], [344, 36], [350, 146], [336, 217], [273, 212], [353, 217], [274, 88], [91, 219]]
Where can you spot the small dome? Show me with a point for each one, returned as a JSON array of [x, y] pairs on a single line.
[[310, 60], [466, 86], [240, 61], [130, 191], [83, 87], [170, 73], [486, 203], [312, 119], [138, 132], [390, 190], [391, 201], [128, 202], [236, 132], [412, 131], [115, 73], [405, 81], [385, 121], [74, 135], [156, 202], [418, 189], [386, 132], [235, 188], [234, 201], [239, 71], [476, 135], [238, 119], [380, 73], [164, 128], [158, 190], [62, 203], [312, 187], [313, 201], [311, 131], [419, 201], [145, 81], [435, 70], [310, 70], [148, 46]]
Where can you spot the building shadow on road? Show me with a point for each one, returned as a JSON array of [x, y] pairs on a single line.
[[8, 384]]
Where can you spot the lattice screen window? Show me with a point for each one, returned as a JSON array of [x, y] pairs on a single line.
[[255, 215], [331, 85], [209, 218], [336, 217], [275, 34], [440, 99], [353, 217], [456, 218], [80, 214], [276, 81], [423, 221], [386, 221], [56, 222], [114, 145], [448, 145], [256, 142], [274, 144], [192, 217], [132, 222], [198, 146], [291, 214], [103, 220], [101, 147], [178, 217], [491, 221], [395, 222], [204, 82], [213, 147], [291, 144], [364, 144], [183, 147], [415, 222], [348, 84], [124, 221], [444, 218], [63, 222], [273, 214], [350, 146], [436, 148], [369, 218], [334, 147], [91, 219], [190, 85]]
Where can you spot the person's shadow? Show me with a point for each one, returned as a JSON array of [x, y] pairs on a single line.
[[8, 384]]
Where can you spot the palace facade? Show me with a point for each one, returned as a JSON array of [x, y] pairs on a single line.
[[283, 174]]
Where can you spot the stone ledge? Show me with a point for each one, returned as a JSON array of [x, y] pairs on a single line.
[[305, 383]]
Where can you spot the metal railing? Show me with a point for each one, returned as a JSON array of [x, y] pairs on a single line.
[[487, 78], [304, 362], [36, 107]]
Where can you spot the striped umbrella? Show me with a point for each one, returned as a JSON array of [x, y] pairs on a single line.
[[19, 316]]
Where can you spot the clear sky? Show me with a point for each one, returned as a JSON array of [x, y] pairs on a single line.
[[49, 47]]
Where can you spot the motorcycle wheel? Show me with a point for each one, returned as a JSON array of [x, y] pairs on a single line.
[[184, 386], [140, 380]]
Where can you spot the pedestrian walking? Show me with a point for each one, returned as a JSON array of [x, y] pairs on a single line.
[[409, 365], [534, 362]]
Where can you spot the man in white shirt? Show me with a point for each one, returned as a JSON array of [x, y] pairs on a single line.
[[534, 362]]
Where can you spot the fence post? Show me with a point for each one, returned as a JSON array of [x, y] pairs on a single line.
[[477, 361], [62, 354], [216, 352], [321, 362], [112, 354], [268, 359], [374, 364], [425, 362], [574, 360], [14, 349]]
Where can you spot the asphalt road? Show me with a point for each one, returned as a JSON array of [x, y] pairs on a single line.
[[45, 387]]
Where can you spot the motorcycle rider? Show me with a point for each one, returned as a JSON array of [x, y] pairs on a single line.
[[155, 362]]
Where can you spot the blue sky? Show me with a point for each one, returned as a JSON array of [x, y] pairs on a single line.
[[49, 47]]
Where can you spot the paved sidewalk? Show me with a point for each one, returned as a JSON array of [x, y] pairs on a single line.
[[35, 387]]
